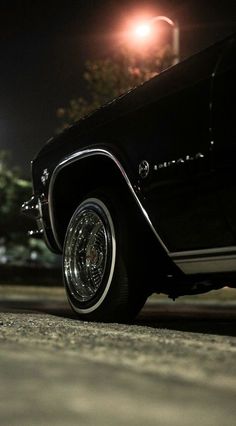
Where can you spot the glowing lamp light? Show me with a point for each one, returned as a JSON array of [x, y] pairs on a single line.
[[142, 30], [142, 34]]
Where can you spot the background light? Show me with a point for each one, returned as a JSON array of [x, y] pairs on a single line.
[[143, 30]]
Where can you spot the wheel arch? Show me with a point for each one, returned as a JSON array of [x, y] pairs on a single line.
[[80, 174]]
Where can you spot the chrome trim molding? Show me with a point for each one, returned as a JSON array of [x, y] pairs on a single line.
[[44, 177], [88, 153], [203, 252], [35, 233], [208, 264]]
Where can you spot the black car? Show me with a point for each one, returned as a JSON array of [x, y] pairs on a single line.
[[140, 195]]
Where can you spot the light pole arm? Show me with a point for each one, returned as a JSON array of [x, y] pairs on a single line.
[[176, 45], [175, 41]]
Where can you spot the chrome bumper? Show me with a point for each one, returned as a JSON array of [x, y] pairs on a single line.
[[33, 209], [37, 208]]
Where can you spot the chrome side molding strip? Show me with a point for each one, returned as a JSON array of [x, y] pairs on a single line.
[[208, 264], [88, 153], [203, 252]]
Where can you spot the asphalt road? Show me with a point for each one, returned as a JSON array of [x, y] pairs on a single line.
[[175, 365]]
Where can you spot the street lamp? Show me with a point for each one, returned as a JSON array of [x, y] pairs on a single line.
[[144, 30]]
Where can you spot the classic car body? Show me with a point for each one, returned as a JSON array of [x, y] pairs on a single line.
[[157, 165]]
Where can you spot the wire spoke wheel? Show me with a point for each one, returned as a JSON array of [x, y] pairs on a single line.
[[97, 250], [86, 255]]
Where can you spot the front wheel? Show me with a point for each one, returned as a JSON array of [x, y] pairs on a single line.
[[100, 271]]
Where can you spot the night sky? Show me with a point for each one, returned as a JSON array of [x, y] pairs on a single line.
[[44, 45]]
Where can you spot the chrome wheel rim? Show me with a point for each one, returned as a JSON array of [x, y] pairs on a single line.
[[85, 255]]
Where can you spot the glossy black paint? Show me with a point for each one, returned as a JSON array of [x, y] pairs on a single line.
[[182, 123], [224, 135]]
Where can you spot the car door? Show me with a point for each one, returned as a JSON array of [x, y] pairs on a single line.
[[182, 190], [224, 135]]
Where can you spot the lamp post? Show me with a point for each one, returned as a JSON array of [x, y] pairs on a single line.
[[144, 31]]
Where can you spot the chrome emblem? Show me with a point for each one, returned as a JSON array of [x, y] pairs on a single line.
[[44, 176], [143, 169]]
